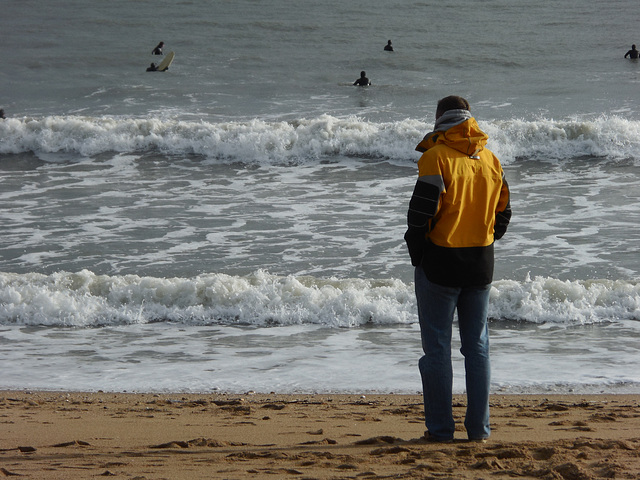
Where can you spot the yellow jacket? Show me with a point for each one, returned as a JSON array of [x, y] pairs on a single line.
[[459, 207]]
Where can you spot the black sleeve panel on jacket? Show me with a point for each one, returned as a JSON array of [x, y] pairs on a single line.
[[504, 217], [422, 207], [416, 243], [424, 201]]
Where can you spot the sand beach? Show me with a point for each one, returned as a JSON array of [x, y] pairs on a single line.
[[71, 435]]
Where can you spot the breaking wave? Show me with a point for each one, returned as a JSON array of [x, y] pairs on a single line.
[[259, 141], [84, 299]]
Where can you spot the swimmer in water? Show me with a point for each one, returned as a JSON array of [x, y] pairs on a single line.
[[363, 81]]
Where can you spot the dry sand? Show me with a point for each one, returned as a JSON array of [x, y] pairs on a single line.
[[59, 435]]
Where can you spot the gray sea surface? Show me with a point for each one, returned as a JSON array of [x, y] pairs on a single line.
[[236, 222]]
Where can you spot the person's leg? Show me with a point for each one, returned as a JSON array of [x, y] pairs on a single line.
[[436, 305], [473, 307]]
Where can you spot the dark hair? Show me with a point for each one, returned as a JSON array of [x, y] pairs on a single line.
[[452, 102]]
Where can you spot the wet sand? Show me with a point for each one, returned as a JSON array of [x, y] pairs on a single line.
[[62, 435]]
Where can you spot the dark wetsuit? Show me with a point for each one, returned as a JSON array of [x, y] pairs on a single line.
[[362, 81], [633, 53]]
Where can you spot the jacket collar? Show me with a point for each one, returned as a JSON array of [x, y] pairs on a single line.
[[451, 118], [460, 132], [448, 119]]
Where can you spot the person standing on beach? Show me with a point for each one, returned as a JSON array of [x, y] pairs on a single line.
[[460, 206], [633, 53]]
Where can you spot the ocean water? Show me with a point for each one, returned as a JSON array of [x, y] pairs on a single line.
[[235, 224]]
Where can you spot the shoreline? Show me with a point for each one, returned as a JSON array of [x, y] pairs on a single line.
[[56, 435]]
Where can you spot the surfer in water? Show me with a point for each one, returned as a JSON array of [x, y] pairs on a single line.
[[633, 53], [158, 49], [152, 68], [363, 81], [388, 47], [2, 113]]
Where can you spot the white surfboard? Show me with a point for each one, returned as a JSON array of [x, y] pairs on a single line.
[[166, 61]]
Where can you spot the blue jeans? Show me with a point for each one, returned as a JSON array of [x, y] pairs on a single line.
[[436, 306]]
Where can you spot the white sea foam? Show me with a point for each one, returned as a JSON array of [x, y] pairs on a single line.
[[610, 137], [549, 300], [307, 139], [84, 299]]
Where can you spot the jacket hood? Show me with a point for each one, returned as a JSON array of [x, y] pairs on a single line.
[[457, 130]]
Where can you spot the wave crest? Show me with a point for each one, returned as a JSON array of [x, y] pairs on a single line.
[[84, 299], [259, 141]]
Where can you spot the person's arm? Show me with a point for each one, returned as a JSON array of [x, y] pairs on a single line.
[[503, 211], [422, 208]]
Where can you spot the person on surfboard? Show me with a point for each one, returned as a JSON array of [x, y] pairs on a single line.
[[152, 68]]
